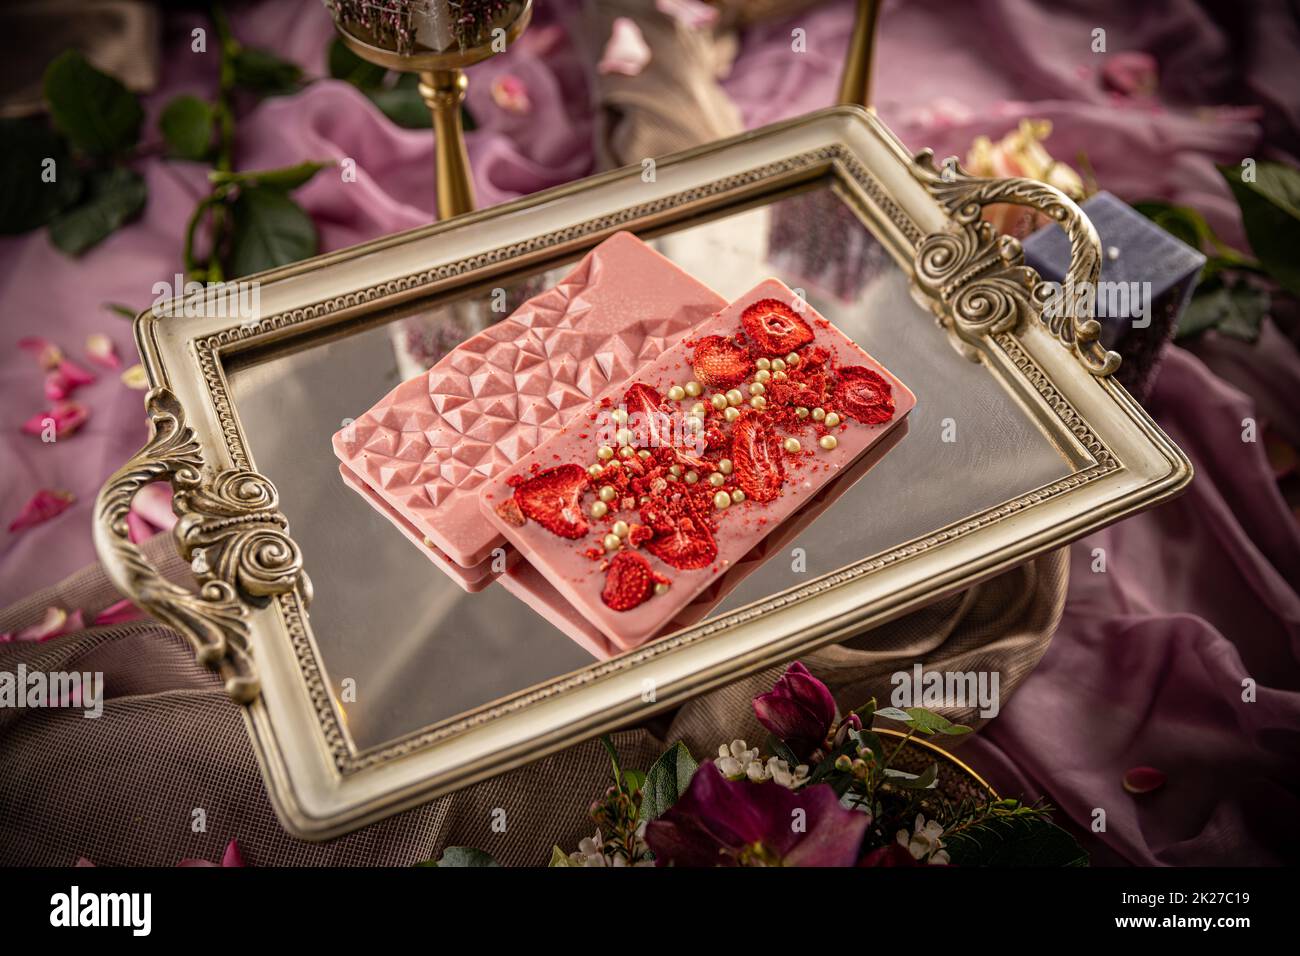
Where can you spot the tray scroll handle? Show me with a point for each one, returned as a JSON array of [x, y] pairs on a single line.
[[981, 276], [229, 528]]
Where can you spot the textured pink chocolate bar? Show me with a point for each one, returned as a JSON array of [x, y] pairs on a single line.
[[427, 447], [569, 565], [526, 583], [472, 579]]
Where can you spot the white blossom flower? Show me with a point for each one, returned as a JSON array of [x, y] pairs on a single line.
[[924, 841], [735, 759]]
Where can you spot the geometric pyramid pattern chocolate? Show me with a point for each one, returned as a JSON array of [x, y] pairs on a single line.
[[427, 446]]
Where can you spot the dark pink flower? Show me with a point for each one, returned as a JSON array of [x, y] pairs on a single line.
[[45, 504], [891, 854], [66, 418], [721, 822], [799, 710]]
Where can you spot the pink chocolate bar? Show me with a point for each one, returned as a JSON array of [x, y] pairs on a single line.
[[526, 583], [472, 579], [669, 479], [426, 448]]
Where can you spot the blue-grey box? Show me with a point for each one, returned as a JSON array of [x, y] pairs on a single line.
[[1134, 250]]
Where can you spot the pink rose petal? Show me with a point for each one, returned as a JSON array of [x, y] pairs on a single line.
[[66, 379], [48, 355], [117, 613], [45, 504], [102, 351], [691, 14], [82, 861], [55, 623], [626, 53], [510, 93], [232, 856], [1144, 780], [66, 416]]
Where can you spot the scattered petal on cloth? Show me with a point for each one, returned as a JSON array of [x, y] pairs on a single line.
[[626, 52], [692, 14], [57, 621], [510, 93], [59, 422], [102, 351], [45, 504], [232, 857], [1144, 780], [65, 379]]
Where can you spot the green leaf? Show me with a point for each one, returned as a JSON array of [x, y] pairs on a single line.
[[1236, 309], [1270, 211], [125, 311], [928, 722], [909, 781], [1182, 222], [1027, 840], [113, 198], [461, 856], [264, 72], [666, 781], [777, 748], [187, 124], [402, 103], [98, 114], [286, 178], [613, 760], [270, 230], [893, 713], [634, 780], [559, 858], [32, 154], [347, 66]]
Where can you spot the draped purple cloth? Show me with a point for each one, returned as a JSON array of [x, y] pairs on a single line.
[[1198, 599]]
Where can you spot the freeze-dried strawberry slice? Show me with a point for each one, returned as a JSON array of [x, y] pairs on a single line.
[[553, 498], [774, 327], [629, 581], [680, 539], [863, 394], [721, 363], [642, 404], [756, 457]]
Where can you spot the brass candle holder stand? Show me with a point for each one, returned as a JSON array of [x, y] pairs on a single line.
[[442, 85]]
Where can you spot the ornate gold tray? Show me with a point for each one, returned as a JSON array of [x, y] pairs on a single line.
[[391, 685]]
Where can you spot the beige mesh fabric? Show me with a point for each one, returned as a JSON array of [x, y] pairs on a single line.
[[123, 788]]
